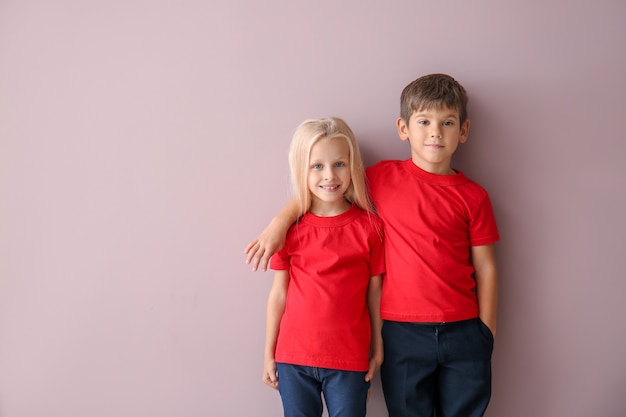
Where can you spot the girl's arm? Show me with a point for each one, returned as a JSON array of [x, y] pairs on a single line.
[[271, 240], [275, 310], [373, 302], [486, 275]]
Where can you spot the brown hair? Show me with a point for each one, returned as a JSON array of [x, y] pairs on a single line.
[[433, 91]]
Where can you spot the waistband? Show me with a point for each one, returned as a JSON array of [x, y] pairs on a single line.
[[436, 323]]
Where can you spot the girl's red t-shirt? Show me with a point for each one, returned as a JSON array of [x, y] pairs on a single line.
[[330, 260]]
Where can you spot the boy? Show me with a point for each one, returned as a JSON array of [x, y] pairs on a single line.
[[439, 295]]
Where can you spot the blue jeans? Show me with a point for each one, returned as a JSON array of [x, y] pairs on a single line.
[[301, 387], [443, 368]]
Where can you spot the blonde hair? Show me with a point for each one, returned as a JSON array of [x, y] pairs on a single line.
[[308, 134]]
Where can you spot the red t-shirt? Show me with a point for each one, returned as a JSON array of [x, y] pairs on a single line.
[[330, 260], [431, 221]]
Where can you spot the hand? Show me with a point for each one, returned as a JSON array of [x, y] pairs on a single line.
[[261, 249], [270, 377], [491, 326], [375, 362]]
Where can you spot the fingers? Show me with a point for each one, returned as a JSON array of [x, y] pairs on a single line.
[[251, 250], [270, 380], [258, 260], [264, 262], [373, 368], [256, 256], [255, 253], [250, 246]]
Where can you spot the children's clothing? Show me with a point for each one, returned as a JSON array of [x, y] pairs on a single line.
[[345, 392], [431, 221], [326, 321], [444, 367]]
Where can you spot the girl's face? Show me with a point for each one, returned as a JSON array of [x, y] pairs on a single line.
[[329, 176]]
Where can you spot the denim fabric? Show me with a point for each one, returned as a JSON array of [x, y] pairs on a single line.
[[301, 388], [443, 368]]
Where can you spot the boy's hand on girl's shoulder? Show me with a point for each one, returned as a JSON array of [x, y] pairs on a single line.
[[270, 377], [256, 258], [272, 238], [261, 249]]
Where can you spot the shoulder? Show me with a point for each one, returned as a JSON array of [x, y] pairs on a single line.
[[372, 219], [472, 189], [383, 168], [369, 222], [385, 164], [476, 200]]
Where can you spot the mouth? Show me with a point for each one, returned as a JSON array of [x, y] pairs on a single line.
[[329, 187]]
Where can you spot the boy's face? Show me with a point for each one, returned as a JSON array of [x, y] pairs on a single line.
[[434, 135]]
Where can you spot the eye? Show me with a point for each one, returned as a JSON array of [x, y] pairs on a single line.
[[448, 123], [316, 166], [340, 164], [422, 122]]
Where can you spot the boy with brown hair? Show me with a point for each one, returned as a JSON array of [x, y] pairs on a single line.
[[440, 290]]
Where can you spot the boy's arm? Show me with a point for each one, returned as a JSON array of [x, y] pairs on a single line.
[[373, 302], [486, 275], [271, 240], [275, 310]]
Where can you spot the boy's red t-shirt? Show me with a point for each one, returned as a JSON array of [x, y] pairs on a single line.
[[431, 221], [330, 260]]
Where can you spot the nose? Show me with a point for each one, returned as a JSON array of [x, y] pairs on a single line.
[[329, 173], [436, 132]]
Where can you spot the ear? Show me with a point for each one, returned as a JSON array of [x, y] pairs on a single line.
[[465, 128], [403, 129]]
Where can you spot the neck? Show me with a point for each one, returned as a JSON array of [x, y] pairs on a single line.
[[322, 209], [438, 169]]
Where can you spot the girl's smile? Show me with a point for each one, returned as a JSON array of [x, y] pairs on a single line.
[[329, 176]]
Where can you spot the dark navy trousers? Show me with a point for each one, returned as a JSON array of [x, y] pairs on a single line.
[[437, 369]]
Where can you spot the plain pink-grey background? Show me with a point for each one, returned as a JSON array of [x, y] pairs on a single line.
[[143, 144]]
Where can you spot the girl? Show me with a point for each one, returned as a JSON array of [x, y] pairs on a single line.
[[323, 317]]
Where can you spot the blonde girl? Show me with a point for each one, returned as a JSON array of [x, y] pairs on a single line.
[[323, 333]]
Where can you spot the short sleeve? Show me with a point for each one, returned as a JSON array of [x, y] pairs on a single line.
[[483, 228], [280, 260]]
